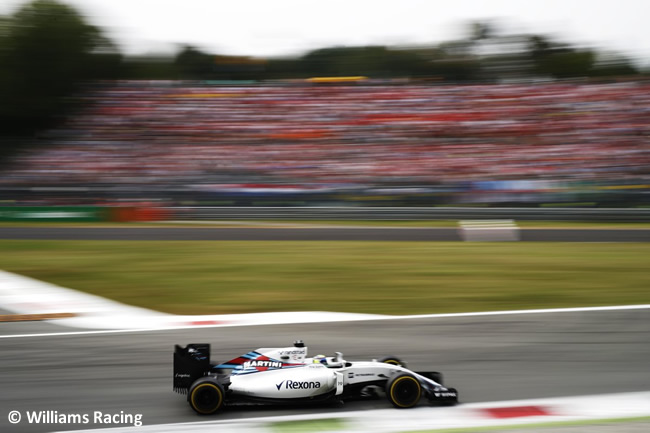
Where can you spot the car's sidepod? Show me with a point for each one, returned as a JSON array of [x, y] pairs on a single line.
[[287, 383]]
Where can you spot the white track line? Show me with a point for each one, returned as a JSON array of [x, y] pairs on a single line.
[[340, 319], [513, 312]]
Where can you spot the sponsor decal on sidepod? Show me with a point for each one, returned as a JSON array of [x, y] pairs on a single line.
[[269, 364], [292, 384]]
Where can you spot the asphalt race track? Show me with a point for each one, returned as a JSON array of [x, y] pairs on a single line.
[[489, 358], [310, 234]]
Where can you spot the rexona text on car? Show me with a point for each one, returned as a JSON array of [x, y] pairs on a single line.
[[287, 375]]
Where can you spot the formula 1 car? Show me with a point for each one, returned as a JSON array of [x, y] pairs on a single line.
[[286, 375]]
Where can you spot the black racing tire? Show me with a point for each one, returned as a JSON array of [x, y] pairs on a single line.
[[394, 360], [206, 396], [404, 391]]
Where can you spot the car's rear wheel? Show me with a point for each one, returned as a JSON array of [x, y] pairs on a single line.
[[206, 396], [404, 391], [394, 360]]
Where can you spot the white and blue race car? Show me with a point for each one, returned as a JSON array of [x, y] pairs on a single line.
[[287, 375]]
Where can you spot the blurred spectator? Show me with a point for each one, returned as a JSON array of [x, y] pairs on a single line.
[[541, 136]]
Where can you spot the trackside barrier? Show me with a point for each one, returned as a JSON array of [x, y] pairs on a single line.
[[157, 213], [82, 213], [138, 214], [407, 213], [489, 230], [53, 213]]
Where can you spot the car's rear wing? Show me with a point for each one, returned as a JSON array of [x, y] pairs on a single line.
[[190, 363]]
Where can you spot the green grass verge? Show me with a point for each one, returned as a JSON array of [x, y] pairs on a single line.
[[309, 426], [207, 277]]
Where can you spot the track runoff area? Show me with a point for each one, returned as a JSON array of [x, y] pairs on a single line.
[[100, 314], [621, 413]]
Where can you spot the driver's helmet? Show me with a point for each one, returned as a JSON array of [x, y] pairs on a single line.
[[320, 359]]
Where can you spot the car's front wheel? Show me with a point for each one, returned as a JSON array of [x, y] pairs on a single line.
[[206, 396], [404, 391]]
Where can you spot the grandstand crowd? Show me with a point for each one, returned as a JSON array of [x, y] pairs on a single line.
[[372, 135]]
